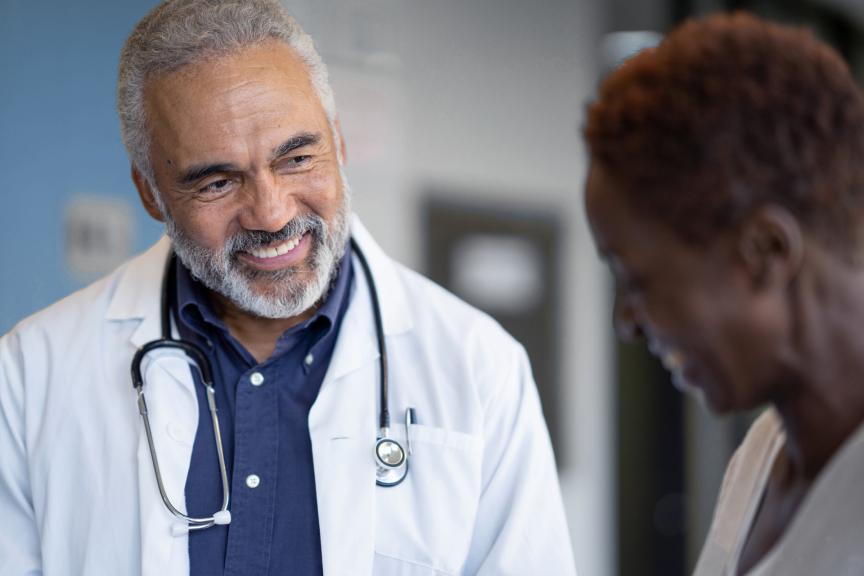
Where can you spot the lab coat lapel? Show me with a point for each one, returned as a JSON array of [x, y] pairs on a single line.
[[173, 412], [343, 422], [342, 429]]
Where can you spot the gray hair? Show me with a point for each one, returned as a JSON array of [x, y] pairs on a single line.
[[182, 32]]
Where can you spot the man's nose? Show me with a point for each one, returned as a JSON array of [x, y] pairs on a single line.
[[270, 205]]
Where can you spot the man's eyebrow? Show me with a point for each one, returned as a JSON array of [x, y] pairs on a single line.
[[295, 142], [200, 171]]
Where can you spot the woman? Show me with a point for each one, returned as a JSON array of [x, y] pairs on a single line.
[[726, 192]]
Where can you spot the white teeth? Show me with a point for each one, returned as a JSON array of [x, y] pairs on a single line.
[[278, 250]]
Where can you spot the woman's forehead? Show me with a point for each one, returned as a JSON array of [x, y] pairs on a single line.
[[627, 232]]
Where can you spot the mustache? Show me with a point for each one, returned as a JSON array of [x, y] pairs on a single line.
[[251, 239]]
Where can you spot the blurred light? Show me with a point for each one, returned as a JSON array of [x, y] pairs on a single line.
[[616, 47]]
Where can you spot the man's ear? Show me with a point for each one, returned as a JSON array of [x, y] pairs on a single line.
[[341, 148], [148, 198], [771, 246]]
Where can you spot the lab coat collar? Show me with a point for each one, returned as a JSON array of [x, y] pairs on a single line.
[[395, 309], [139, 293]]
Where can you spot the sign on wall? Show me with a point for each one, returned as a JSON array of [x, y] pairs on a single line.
[[99, 235]]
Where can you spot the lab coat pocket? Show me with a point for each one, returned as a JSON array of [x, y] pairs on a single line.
[[424, 525]]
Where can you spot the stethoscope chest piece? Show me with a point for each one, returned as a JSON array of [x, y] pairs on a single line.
[[391, 462], [390, 453]]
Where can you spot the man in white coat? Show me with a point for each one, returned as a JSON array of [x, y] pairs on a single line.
[[231, 128]]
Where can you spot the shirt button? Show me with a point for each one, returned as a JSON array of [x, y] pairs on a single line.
[[252, 481], [309, 359], [256, 379]]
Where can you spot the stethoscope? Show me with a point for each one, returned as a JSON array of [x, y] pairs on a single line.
[[391, 459]]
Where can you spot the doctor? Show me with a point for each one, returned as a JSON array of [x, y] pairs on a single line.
[[230, 124]]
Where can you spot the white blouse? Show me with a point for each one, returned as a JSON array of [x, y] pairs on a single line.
[[826, 534]]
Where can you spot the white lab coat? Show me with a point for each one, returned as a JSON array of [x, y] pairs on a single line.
[[77, 489]]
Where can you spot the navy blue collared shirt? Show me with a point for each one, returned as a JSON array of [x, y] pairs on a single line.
[[263, 416]]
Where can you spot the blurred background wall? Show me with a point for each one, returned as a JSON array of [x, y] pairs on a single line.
[[454, 113]]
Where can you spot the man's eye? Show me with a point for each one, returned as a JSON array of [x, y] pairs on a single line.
[[292, 162], [216, 186]]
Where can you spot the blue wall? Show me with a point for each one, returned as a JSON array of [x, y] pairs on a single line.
[[59, 136]]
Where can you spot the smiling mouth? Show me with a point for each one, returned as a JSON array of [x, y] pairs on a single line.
[[275, 250]]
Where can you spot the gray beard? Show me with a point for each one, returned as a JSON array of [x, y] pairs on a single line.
[[270, 294]]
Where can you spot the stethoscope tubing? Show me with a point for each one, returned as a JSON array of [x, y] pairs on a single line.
[[194, 523], [384, 416], [199, 360]]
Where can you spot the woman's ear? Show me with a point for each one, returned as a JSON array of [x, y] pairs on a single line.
[[771, 246], [147, 194]]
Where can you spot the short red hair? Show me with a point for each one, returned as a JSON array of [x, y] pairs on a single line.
[[730, 112]]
